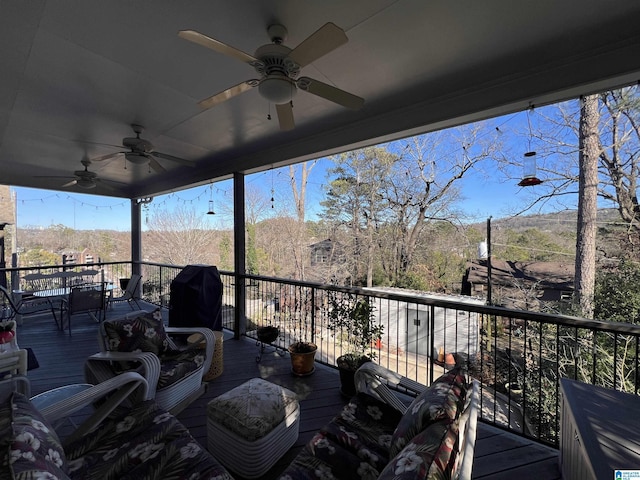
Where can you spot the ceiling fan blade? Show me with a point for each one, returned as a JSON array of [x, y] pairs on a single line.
[[106, 157], [71, 183], [182, 161], [228, 93], [326, 39], [285, 116], [333, 94], [153, 163], [208, 42]]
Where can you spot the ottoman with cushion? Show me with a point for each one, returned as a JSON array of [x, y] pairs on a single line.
[[252, 426]]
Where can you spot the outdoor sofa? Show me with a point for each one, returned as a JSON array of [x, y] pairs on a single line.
[[428, 434], [116, 441], [377, 436]]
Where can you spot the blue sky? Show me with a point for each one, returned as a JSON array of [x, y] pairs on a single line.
[[44, 208], [483, 194]]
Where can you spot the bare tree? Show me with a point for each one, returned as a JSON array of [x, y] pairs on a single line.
[[621, 159], [297, 232], [178, 237], [300, 191], [424, 185], [557, 134], [386, 196]]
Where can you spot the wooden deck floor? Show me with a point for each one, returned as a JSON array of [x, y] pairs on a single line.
[[498, 454]]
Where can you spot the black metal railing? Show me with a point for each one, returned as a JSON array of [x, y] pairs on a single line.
[[519, 356]]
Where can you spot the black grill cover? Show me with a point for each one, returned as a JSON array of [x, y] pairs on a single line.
[[196, 298]]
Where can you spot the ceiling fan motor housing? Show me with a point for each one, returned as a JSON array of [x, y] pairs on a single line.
[[137, 144], [278, 73]]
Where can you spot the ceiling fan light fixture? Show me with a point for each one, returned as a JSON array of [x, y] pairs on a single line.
[[136, 158], [277, 89], [86, 183]]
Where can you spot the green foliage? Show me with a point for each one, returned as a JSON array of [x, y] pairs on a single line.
[[412, 281], [353, 317], [617, 297], [252, 253], [38, 257], [530, 244], [226, 253]]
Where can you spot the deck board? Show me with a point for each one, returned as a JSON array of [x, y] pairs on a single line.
[[498, 454]]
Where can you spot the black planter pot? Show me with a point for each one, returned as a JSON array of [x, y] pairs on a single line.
[[347, 382], [347, 366]]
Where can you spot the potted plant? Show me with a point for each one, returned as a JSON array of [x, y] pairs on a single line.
[[303, 357], [268, 333], [352, 321], [302, 351], [7, 332]]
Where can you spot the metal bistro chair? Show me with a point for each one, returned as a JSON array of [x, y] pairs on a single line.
[[84, 299], [9, 309], [130, 292]]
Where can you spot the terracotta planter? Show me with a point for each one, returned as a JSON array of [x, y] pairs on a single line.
[[303, 355]]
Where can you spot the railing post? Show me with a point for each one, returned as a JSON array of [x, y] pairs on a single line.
[[313, 315], [239, 242]]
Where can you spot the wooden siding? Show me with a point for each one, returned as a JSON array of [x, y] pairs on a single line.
[[498, 454]]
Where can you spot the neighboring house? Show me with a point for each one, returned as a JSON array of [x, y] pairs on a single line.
[[85, 256], [326, 252], [327, 261], [520, 285]]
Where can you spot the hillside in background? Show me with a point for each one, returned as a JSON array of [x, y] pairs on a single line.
[[548, 237]]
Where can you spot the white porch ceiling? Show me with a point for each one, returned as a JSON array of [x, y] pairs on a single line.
[[77, 73]]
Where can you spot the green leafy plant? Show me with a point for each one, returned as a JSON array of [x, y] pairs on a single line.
[[352, 319]]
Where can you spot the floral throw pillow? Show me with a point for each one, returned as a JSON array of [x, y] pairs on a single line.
[[429, 455], [143, 332], [443, 399], [30, 447]]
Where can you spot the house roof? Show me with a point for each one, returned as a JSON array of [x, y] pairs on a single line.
[[551, 275], [77, 74]]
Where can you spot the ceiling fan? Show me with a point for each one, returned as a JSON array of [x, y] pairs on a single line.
[[83, 178], [279, 67], [141, 152]]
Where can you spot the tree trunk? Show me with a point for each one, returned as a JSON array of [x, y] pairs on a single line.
[[587, 205]]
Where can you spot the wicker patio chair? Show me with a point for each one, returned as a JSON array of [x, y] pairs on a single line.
[[140, 342]]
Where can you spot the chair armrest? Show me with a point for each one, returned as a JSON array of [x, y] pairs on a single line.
[[113, 392], [380, 382], [208, 337], [467, 433], [97, 368], [15, 383]]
